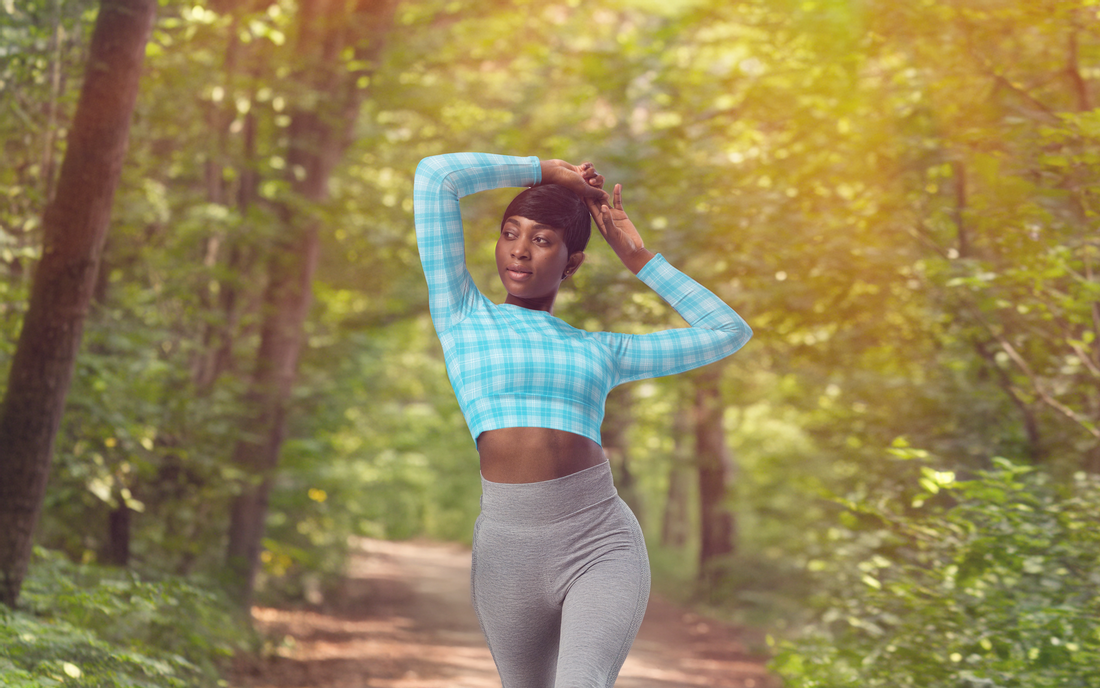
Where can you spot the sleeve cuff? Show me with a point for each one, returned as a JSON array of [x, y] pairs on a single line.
[[653, 270], [538, 169]]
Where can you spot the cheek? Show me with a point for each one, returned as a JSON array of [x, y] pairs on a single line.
[[561, 256]]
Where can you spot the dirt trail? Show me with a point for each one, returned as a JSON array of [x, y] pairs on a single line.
[[404, 620]]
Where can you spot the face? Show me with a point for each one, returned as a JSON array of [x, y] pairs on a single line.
[[532, 259]]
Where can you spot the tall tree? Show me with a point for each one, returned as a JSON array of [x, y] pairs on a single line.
[[676, 522], [75, 226], [319, 134], [615, 433], [714, 464]]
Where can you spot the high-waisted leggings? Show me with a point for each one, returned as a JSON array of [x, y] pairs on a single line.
[[560, 580]]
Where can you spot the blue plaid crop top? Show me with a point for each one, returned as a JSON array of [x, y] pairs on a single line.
[[515, 367]]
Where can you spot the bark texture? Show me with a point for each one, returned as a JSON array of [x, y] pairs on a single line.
[[615, 433], [715, 468], [319, 135], [676, 524], [74, 226], [117, 551]]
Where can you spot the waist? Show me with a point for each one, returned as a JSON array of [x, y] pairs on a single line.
[[547, 501], [535, 454]]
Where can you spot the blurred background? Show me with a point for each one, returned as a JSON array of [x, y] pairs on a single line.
[[896, 477]]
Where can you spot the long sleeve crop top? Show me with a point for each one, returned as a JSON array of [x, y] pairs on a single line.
[[515, 367]]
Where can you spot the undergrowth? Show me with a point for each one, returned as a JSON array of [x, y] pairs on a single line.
[[95, 627], [995, 586]]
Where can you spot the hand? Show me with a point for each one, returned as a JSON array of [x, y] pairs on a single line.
[[619, 231], [580, 179]]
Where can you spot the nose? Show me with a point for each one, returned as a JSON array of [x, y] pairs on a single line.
[[520, 249]]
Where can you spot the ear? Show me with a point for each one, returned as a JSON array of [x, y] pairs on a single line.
[[573, 264]]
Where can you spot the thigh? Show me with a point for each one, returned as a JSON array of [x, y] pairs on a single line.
[[602, 612], [508, 590]]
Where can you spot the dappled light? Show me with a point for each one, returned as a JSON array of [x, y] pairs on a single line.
[[403, 620], [223, 390]]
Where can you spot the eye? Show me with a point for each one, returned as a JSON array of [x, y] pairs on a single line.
[[541, 240]]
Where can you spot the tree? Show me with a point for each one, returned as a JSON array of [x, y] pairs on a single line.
[[319, 133], [75, 227], [718, 529], [676, 522]]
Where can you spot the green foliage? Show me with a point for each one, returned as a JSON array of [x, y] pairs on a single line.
[[992, 583], [41, 50], [103, 628], [389, 454], [899, 197]]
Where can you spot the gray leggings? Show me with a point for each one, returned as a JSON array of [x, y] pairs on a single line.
[[560, 580]]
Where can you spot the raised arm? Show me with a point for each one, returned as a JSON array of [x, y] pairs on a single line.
[[715, 331], [440, 181]]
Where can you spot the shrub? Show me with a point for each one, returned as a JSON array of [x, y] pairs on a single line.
[[997, 587], [95, 627]]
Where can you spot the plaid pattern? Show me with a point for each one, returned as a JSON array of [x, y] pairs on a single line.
[[515, 367]]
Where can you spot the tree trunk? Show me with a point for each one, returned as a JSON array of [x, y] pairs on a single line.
[[74, 228], [286, 303], [618, 418], [676, 526], [318, 138], [216, 353], [118, 535], [962, 233], [714, 464], [117, 545]]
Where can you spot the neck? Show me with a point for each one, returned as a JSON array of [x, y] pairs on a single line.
[[542, 303]]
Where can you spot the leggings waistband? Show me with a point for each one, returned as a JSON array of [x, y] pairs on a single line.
[[548, 500]]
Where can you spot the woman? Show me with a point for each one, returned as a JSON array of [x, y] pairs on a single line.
[[560, 574]]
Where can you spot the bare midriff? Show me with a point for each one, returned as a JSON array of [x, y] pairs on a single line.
[[531, 455]]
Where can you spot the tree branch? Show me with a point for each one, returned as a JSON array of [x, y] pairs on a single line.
[[1080, 86], [1038, 388]]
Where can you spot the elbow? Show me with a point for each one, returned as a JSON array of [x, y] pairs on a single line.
[[427, 168], [434, 172], [740, 335], [428, 164]]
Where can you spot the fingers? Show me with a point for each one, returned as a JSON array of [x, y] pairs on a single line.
[[618, 196], [595, 194], [583, 181], [591, 176], [608, 219], [595, 208]]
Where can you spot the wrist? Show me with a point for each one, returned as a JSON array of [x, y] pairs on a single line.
[[637, 259], [546, 171]]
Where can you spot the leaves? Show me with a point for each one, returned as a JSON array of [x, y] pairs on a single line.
[[998, 589], [83, 626], [899, 197]]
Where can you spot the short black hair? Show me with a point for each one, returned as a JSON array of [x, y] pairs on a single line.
[[557, 206]]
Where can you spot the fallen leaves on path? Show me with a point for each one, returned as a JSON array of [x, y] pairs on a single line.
[[403, 620]]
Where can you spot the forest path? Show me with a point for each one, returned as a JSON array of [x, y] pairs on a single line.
[[404, 620]]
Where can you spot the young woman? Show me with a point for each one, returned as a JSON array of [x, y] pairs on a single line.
[[560, 574]]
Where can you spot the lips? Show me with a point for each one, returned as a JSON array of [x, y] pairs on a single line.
[[518, 272]]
